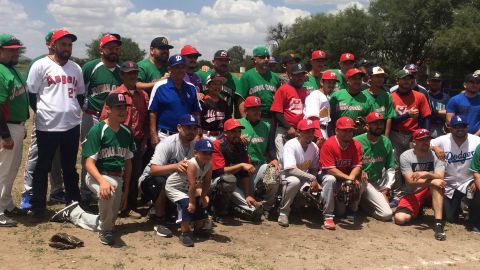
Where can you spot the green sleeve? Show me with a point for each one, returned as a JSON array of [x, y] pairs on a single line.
[[475, 165], [6, 86], [389, 111], [244, 85], [391, 163], [93, 142], [87, 72], [142, 74]]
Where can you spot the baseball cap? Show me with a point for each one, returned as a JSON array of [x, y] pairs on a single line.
[[318, 54], [297, 69], [8, 41], [476, 72], [109, 38], [364, 63], [128, 66], [189, 50], [272, 60], [457, 120], [175, 60], [216, 77], [60, 34], [232, 124], [376, 70], [188, 120], [116, 99], [374, 116], [204, 145], [345, 122], [347, 57], [329, 75], [404, 73], [352, 72], [48, 36], [260, 51], [252, 101], [289, 58], [435, 75], [305, 124], [161, 43], [421, 134], [411, 67], [472, 77], [221, 54]]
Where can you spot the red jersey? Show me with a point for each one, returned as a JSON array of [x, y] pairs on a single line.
[[137, 112], [331, 156], [290, 102], [403, 103]]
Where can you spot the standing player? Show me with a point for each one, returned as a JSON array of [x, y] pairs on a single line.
[[214, 108], [13, 114], [108, 151], [347, 62], [288, 61], [439, 100], [378, 167], [155, 67], [260, 82], [191, 55], [424, 173], [58, 85], [381, 99], [317, 61]]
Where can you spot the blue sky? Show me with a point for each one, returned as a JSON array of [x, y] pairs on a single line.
[[208, 25]]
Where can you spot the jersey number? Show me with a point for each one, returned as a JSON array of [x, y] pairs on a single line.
[[71, 92]]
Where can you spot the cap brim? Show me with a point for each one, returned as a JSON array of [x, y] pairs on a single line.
[[423, 137], [298, 72], [13, 46], [241, 127], [126, 70], [111, 41], [346, 127], [163, 47]]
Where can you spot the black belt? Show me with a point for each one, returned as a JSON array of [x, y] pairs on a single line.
[[16, 122], [166, 131]]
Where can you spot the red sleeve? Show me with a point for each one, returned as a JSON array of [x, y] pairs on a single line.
[[278, 99], [357, 157], [103, 114], [327, 159], [423, 105], [218, 161]]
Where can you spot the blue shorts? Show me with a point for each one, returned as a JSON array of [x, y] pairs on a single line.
[[183, 214]]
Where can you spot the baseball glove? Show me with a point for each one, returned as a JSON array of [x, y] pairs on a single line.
[[65, 241], [349, 192], [312, 198], [271, 177], [360, 124]]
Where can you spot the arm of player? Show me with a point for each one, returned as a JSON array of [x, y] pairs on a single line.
[[245, 186], [207, 181], [106, 189], [191, 173], [356, 173], [339, 174], [153, 129]]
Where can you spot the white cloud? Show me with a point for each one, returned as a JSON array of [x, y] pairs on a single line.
[[351, 4]]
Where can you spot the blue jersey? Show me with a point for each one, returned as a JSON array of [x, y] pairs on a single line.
[[466, 107], [170, 103]]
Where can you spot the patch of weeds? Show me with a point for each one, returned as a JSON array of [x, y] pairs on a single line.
[[118, 265], [237, 267]]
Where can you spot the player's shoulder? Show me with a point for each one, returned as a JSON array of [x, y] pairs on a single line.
[[357, 144], [126, 129], [91, 63], [407, 155], [161, 83], [361, 138]]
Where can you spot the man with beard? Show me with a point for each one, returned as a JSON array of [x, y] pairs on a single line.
[[467, 104], [287, 61], [191, 55], [378, 167], [458, 149], [439, 100], [347, 62], [259, 81], [58, 85], [317, 60], [13, 114], [154, 68]]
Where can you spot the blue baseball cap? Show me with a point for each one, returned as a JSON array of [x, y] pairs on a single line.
[[204, 145], [457, 120], [175, 60], [188, 120]]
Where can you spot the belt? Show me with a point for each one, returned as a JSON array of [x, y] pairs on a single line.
[[166, 131], [91, 112], [212, 133], [113, 173], [16, 122]]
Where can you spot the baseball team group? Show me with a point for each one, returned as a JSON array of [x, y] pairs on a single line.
[[196, 145]]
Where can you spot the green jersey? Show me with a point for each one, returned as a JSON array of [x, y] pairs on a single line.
[[108, 148], [341, 80], [475, 165], [342, 103], [229, 87], [99, 82], [376, 157], [13, 95], [204, 75], [312, 83], [257, 137], [149, 72], [382, 103], [264, 86]]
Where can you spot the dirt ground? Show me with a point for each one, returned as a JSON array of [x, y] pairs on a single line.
[[369, 244]]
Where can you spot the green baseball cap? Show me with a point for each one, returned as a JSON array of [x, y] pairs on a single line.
[[260, 51], [48, 37], [404, 73], [8, 41]]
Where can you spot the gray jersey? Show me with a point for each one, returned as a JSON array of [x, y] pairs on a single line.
[[176, 187], [169, 151], [409, 163]]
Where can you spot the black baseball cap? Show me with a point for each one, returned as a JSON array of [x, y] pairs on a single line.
[[435, 76], [161, 43], [128, 66], [221, 54], [472, 77], [290, 58], [298, 68], [116, 99]]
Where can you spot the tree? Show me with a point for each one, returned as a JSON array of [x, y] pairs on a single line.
[[237, 59], [277, 33], [130, 50]]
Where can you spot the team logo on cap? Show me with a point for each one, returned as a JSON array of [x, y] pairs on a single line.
[[192, 118], [257, 100], [223, 53], [164, 41], [121, 97], [309, 122], [348, 56], [377, 115], [208, 144]]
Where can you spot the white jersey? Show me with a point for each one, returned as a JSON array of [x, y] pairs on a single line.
[[295, 157], [458, 159], [316, 104], [176, 186], [57, 88]]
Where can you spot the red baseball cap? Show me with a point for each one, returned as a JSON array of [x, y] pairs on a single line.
[[374, 116], [189, 50], [232, 124], [353, 71], [347, 57], [252, 101], [109, 38], [329, 75], [345, 122], [306, 124], [421, 134], [318, 54], [60, 34]]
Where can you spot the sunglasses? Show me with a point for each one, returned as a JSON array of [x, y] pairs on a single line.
[[263, 57]]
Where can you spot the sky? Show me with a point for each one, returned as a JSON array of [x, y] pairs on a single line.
[[208, 25]]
